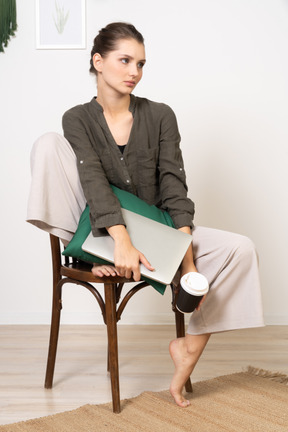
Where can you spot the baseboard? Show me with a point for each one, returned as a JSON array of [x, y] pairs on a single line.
[[92, 318], [276, 319], [83, 318]]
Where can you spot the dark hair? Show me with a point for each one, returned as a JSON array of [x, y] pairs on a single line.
[[108, 37]]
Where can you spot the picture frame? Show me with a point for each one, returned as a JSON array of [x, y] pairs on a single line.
[[60, 24]]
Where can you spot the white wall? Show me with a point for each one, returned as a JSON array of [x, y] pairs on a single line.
[[222, 66]]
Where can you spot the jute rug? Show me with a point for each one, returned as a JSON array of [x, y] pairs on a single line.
[[249, 401]]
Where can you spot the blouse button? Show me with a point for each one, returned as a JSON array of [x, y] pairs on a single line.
[[127, 181]]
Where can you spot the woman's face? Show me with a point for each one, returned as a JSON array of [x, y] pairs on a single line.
[[121, 69]]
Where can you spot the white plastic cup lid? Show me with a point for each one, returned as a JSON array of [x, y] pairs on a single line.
[[195, 284]]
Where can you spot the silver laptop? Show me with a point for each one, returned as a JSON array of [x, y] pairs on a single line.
[[163, 246]]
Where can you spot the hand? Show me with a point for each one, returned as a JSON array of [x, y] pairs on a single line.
[[202, 300], [127, 258], [127, 261], [188, 265]]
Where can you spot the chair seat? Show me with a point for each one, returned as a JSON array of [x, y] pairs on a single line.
[[80, 270]]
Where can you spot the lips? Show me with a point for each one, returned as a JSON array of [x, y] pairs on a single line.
[[130, 83]]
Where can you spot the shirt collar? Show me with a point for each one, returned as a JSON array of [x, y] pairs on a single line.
[[132, 106]]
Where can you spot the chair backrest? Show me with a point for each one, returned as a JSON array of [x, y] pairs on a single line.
[[56, 258]]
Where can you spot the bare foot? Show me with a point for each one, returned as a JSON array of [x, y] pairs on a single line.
[[184, 363], [103, 270]]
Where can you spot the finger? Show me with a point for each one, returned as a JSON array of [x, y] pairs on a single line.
[[136, 274], [120, 271], [128, 273], [201, 301], [146, 263], [124, 271]]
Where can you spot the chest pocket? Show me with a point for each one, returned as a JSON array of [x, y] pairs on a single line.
[[148, 178], [148, 166]]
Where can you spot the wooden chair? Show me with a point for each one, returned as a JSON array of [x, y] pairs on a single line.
[[73, 271]]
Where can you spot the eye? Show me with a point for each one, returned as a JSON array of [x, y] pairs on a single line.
[[140, 65], [124, 60]]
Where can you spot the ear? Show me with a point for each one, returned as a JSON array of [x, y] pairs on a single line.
[[97, 62]]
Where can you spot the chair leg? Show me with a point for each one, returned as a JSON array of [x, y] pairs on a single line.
[[108, 365], [53, 342], [111, 322], [180, 332]]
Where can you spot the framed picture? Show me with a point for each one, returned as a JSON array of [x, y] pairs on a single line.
[[60, 24]]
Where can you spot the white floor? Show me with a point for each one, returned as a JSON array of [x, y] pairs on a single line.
[[80, 374]]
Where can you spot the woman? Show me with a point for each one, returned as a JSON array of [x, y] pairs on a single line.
[[133, 143], [118, 58]]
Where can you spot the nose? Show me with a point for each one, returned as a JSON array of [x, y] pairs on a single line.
[[134, 70]]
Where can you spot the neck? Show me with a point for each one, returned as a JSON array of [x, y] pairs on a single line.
[[113, 104]]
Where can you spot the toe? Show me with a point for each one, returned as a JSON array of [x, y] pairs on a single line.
[[183, 403]]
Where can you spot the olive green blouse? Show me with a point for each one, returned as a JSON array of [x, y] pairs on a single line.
[[151, 166]]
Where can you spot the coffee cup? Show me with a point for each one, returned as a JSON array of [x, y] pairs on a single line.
[[193, 286]]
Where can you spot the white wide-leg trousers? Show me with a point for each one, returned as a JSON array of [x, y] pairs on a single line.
[[228, 260]]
